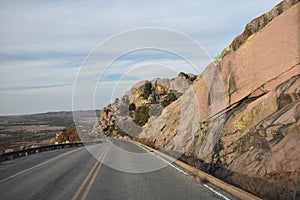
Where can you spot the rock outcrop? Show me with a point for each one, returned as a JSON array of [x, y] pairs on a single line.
[[251, 139], [239, 120], [142, 103], [256, 25]]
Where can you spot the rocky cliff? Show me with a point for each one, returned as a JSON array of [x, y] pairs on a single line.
[[239, 120], [141, 104], [253, 141]]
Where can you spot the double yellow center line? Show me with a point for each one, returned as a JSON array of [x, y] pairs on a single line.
[[94, 172]]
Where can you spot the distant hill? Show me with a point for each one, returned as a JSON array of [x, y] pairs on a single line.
[[20, 131]]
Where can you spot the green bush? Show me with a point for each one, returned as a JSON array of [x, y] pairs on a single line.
[[141, 115], [169, 99], [132, 107], [147, 90], [182, 74], [177, 94]]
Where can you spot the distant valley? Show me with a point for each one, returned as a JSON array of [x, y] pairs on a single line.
[[23, 131]]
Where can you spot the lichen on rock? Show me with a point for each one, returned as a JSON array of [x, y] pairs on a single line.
[[253, 140]]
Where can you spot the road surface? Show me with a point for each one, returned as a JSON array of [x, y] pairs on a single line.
[[74, 173]]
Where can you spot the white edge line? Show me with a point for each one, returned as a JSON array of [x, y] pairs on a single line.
[[211, 189], [169, 163], [180, 170], [36, 166], [216, 192]]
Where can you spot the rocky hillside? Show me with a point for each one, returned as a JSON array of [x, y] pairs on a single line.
[[142, 103], [239, 120]]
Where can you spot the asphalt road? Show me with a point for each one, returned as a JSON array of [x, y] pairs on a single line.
[[122, 170]]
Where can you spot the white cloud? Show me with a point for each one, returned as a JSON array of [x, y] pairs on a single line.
[[43, 42]]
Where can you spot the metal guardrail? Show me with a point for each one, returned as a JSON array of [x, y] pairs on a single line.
[[26, 152]]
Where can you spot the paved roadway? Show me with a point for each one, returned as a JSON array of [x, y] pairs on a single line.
[[75, 174]]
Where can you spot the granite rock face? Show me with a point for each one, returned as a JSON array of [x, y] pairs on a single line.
[[240, 119]]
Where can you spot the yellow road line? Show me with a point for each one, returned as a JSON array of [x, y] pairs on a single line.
[[97, 163], [84, 196], [85, 181]]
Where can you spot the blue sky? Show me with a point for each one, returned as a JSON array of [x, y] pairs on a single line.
[[44, 43]]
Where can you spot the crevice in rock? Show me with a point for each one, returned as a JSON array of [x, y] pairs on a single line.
[[238, 105], [249, 98]]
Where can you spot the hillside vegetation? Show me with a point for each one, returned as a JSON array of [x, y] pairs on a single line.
[[248, 133]]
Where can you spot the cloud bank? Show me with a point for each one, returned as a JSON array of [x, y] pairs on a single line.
[[43, 44]]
